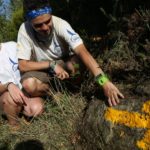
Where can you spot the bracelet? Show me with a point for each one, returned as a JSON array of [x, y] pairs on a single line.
[[8, 85], [101, 79], [52, 64]]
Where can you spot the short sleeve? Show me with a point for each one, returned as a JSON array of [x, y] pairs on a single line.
[[69, 35], [23, 45]]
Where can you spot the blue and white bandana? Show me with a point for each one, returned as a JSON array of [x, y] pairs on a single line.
[[35, 13]]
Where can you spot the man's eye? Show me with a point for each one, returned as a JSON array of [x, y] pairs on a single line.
[[37, 25], [47, 22]]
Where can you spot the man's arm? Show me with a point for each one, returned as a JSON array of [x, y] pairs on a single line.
[[14, 91], [3, 88], [27, 65], [110, 90], [88, 60]]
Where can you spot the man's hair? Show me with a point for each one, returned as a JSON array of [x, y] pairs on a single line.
[[30, 5]]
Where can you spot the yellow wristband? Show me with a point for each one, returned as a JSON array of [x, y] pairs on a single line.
[[101, 79]]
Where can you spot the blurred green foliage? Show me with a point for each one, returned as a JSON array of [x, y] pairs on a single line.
[[9, 28]]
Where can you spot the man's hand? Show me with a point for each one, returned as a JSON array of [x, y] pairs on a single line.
[[60, 72], [16, 94], [112, 92]]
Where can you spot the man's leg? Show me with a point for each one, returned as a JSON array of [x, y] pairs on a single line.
[[35, 83], [10, 108], [34, 107]]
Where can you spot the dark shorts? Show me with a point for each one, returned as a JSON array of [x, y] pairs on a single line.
[[42, 76]]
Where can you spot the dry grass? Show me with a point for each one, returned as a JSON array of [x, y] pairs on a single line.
[[55, 129]]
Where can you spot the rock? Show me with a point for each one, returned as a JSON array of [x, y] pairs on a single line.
[[123, 127], [143, 88]]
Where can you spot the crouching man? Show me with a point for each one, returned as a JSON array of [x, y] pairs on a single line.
[[12, 99]]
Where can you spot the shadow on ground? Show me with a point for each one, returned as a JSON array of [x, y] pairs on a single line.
[[29, 145]]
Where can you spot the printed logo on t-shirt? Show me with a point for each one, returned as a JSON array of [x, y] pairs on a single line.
[[74, 37], [57, 48], [56, 45], [14, 65]]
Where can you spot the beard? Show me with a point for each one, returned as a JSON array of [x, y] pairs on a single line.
[[44, 38]]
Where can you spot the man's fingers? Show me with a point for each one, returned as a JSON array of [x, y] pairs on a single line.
[[120, 94], [113, 101], [25, 101], [23, 98], [18, 100], [109, 102], [60, 76], [116, 97], [66, 74], [63, 75], [112, 93]]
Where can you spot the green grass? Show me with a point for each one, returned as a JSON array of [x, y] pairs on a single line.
[[56, 129]]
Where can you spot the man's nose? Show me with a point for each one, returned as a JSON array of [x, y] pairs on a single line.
[[45, 27]]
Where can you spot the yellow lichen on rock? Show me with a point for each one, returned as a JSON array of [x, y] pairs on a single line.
[[130, 119], [145, 142], [134, 120], [146, 107]]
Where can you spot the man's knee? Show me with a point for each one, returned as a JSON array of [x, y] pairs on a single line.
[[34, 87], [34, 108], [29, 85], [37, 107]]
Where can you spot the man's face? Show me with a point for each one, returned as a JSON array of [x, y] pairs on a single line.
[[42, 24]]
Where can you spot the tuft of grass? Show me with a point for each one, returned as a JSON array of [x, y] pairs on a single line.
[[54, 129]]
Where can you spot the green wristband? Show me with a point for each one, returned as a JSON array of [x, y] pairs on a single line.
[[101, 79]]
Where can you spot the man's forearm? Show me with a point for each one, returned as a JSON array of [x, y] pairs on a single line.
[[27, 65], [88, 60]]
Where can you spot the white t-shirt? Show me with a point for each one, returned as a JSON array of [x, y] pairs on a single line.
[[9, 64], [63, 40]]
